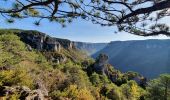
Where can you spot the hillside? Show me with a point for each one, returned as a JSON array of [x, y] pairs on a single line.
[[35, 66], [148, 57]]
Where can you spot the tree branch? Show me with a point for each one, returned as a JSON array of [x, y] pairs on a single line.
[[156, 7]]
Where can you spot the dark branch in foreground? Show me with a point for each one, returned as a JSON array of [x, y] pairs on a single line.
[[133, 16]]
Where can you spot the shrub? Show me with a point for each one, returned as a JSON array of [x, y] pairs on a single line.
[[16, 77]]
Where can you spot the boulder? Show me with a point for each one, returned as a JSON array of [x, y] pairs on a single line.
[[41, 88], [35, 95], [25, 93], [7, 67]]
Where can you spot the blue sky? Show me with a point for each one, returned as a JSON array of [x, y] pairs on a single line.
[[79, 30]]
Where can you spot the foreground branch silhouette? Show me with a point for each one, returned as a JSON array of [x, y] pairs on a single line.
[[139, 17]]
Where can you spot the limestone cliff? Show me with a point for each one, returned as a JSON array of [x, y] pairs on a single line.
[[55, 49], [43, 42]]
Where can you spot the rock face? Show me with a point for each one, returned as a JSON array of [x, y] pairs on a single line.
[[43, 42], [25, 93], [101, 64], [103, 67], [52, 45], [66, 43]]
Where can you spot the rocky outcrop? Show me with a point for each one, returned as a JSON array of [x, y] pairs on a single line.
[[101, 64], [39, 41], [66, 43], [43, 42], [58, 59], [23, 92], [142, 81], [52, 45], [103, 67], [5, 68]]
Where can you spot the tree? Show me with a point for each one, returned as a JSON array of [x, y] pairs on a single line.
[[74, 93], [138, 17], [10, 44], [95, 79], [17, 76], [158, 89], [132, 91], [40, 9]]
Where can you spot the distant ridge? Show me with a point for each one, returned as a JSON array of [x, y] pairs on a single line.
[[148, 57], [90, 48]]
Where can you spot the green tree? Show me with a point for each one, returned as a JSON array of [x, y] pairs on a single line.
[[75, 93], [131, 74], [18, 76], [95, 79], [10, 49], [159, 89], [132, 91]]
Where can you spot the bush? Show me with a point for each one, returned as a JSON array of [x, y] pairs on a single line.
[[132, 91], [159, 88], [74, 93], [16, 77]]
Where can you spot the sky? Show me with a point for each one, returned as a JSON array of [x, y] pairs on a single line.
[[78, 30]]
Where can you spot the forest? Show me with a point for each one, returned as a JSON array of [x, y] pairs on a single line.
[[27, 73], [36, 66]]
